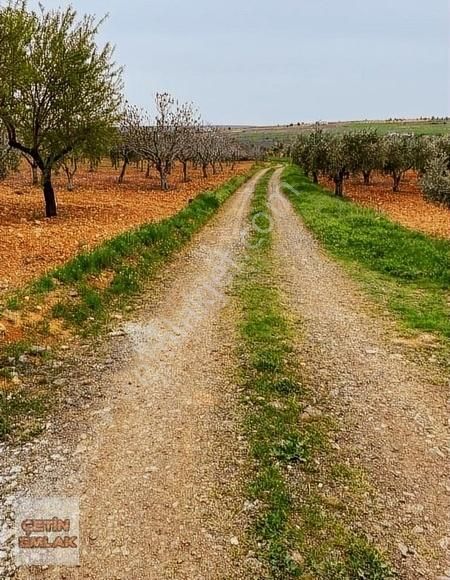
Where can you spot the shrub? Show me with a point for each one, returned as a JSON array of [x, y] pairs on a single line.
[[435, 183]]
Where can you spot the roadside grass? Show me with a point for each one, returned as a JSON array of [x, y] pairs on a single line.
[[295, 531], [407, 271], [85, 307]]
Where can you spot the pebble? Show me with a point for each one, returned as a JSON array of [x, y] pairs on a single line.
[[37, 349], [60, 382], [80, 449]]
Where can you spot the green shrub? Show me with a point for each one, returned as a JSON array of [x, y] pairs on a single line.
[[435, 183]]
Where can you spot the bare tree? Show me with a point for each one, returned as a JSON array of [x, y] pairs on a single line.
[[190, 123]]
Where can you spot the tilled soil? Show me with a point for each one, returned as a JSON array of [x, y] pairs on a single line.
[[98, 209], [393, 414], [159, 475]]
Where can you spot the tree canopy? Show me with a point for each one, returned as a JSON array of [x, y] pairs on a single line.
[[59, 91]]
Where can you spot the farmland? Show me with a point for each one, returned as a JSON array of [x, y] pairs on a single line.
[[271, 135], [99, 208], [407, 207]]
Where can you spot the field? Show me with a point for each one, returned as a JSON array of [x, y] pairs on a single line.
[[99, 208], [285, 133]]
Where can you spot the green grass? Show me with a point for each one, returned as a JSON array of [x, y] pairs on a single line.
[[284, 133], [407, 271], [21, 414], [291, 518]]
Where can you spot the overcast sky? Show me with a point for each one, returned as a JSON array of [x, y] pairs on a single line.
[[269, 62]]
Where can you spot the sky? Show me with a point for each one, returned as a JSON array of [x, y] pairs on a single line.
[[265, 62]]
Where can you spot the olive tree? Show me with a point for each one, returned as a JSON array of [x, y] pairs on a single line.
[[338, 160], [366, 153], [58, 90], [436, 181], [399, 154], [311, 151]]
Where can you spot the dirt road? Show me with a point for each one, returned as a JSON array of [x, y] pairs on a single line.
[[157, 472], [393, 415], [160, 474]]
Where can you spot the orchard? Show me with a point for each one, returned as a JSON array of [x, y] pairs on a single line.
[[337, 156]]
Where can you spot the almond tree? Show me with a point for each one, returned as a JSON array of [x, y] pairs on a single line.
[[190, 123], [165, 137], [204, 145], [58, 90], [9, 161]]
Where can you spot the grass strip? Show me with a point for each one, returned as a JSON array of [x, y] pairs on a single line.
[[295, 533], [409, 272]]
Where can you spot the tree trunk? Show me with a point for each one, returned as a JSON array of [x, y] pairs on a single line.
[[315, 177], [49, 194], [367, 177], [163, 177], [397, 178], [34, 173], [122, 173], [185, 172], [147, 173], [69, 180], [339, 183], [205, 169]]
